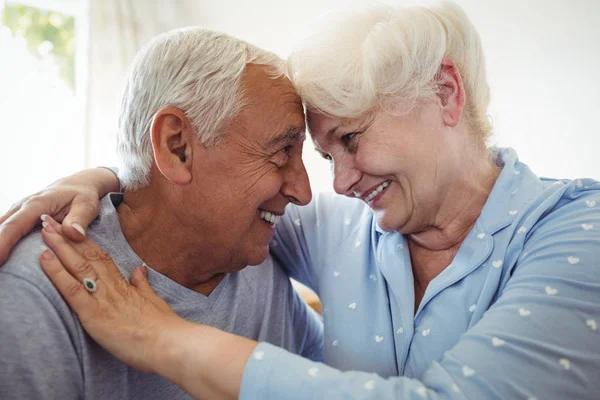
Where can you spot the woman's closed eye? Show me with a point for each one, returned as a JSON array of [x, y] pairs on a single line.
[[348, 137], [350, 141]]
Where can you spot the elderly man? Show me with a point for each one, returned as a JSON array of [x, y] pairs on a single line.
[[210, 141]]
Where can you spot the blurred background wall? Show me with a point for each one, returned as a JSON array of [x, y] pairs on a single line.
[[63, 62]]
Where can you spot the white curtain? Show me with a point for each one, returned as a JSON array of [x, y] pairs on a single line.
[[118, 29]]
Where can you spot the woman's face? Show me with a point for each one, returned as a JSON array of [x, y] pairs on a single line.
[[400, 165]]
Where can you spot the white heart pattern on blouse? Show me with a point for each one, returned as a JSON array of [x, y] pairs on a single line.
[[523, 312], [573, 260], [551, 291], [565, 363]]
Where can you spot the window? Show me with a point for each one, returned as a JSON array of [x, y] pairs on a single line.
[[41, 105]]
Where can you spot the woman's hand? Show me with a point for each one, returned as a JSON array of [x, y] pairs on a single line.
[[73, 200], [126, 319], [138, 327]]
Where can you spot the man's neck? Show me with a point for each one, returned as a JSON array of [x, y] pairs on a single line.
[[156, 236]]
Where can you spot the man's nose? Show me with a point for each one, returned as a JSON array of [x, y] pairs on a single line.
[[296, 186]]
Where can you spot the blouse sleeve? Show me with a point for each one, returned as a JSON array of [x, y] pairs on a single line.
[[306, 236], [539, 340]]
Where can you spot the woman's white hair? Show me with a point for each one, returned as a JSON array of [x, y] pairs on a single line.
[[351, 64], [193, 69]]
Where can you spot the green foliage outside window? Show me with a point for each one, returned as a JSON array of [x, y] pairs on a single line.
[[49, 35]]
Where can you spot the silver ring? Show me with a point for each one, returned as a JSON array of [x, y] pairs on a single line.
[[90, 285]]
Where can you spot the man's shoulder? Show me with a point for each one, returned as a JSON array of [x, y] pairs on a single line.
[[24, 262], [23, 265]]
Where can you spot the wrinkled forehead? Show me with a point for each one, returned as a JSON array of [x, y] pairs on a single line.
[[271, 104], [320, 123]]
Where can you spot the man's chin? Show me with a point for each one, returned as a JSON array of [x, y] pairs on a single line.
[[259, 255]]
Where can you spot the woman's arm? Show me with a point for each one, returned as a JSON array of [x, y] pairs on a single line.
[[73, 200], [538, 340], [137, 326]]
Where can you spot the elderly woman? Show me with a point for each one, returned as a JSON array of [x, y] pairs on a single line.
[[450, 270]]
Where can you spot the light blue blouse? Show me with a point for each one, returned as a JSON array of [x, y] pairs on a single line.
[[516, 315]]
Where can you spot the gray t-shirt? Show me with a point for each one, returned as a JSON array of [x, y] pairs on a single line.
[[46, 354]]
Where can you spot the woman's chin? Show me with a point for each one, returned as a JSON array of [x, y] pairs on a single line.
[[387, 222]]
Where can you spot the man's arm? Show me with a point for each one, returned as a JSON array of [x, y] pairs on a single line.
[[37, 354]]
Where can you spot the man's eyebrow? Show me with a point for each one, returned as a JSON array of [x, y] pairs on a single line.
[[292, 135]]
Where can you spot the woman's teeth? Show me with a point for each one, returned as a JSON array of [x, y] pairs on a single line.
[[269, 217], [376, 191]]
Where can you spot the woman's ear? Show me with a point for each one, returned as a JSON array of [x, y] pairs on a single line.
[[173, 144], [451, 93]]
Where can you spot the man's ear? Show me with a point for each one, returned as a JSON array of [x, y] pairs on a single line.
[[451, 93], [173, 139]]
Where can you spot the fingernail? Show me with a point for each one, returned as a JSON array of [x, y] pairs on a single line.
[[47, 255], [43, 217], [79, 228], [48, 227]]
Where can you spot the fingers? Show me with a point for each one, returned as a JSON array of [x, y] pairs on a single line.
[[72, 290], [17, 225], [82, 260], [84, 209], [139, 278]]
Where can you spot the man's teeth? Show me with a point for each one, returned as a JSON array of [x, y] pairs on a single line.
[[376, 191], [269, 217]]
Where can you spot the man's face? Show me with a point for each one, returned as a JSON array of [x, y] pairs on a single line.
[[257, 170]]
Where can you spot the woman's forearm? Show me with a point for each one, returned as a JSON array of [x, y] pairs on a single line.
[[204, 361], [105, 179]]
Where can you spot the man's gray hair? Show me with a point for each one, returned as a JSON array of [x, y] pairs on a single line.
[[193, 69]]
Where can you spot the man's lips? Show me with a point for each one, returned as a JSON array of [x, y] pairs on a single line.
[[271, 217]]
